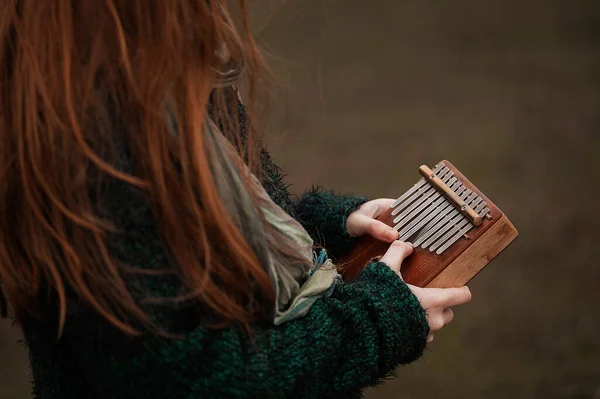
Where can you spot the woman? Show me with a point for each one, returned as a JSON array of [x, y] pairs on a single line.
[[141, 255]]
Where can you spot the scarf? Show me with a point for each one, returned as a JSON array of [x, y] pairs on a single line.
[[298, 282]]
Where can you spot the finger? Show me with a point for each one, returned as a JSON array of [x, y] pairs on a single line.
[[396, 254], [448, 316], [356, 223], [381, 231], [381, 206], [375, 208], [362, 224], [430, 338], [436, 322], [449, 297], [368, 209], [359, 220]]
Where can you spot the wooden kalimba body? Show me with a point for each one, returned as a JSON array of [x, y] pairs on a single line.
[[455, 229]]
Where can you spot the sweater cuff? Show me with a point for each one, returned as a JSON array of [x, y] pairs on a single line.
[[406, 315], [323, 214]]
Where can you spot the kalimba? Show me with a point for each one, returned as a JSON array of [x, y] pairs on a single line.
[[455, 230]]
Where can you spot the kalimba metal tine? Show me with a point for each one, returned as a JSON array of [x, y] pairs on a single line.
[[431, 207], [419, 184], [458, 232], [410, 229], [440, 208], [454, 226], [425, 189], [430, 220], [450, 212], [420, 193], [455, 218], [461, 233], [443, 218], [446, 209], [422, 208], [416, 203], [414, 188], [462, 225], [430, 193], [445, 224]]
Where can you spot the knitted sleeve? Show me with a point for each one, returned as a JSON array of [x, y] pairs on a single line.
[[323, 214], [348, 341]]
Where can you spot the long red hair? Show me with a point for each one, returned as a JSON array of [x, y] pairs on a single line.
[[67, 70]]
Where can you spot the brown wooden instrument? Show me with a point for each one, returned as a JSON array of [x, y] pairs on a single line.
[[455, 229]]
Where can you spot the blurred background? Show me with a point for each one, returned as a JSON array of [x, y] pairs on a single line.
[[507, 90]]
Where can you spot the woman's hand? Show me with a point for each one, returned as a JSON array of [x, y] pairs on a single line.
[[363, 221], [437, 302]]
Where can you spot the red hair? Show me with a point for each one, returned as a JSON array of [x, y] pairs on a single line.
[[61, 63]]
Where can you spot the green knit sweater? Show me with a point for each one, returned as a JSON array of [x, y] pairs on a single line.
[[348, 341]]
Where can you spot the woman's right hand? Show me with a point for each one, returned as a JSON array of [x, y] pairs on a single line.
[[437, 302]]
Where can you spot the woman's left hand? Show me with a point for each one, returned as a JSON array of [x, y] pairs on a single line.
[[363, 221]]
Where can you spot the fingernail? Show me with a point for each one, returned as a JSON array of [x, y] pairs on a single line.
[[392, 235]]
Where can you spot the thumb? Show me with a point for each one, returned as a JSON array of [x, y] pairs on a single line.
[[381, 231], [396, 254], [360, 225]]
